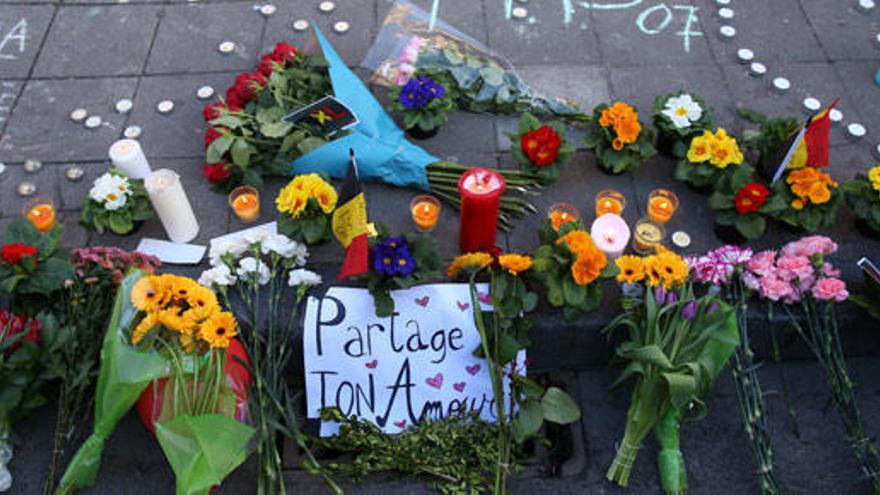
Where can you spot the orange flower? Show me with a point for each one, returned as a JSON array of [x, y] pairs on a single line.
[[628, 128], [588, 266], [557, 218], [577, 241], [515, 263], [617, 144], [810, 185]]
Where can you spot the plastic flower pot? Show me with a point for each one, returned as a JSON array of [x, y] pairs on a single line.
[[418, 133]]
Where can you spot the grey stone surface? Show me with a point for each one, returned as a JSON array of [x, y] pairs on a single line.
[[21, 34], [189, 36], [844, 32], [45, 180], [9, 91], [88, 28], [40, 126], [860, 95]]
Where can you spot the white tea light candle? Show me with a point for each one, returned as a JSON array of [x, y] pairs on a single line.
[[127, 155], [812, 104], [744, 55], [781, 84], [835, 115], [757, 69], [727, 32], [856, 131], [171, 204], [725, 13]]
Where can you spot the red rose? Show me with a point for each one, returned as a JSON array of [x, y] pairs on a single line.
[[216, 172], [33, 333], [268, 65], [12, 254], [541, 146], [212, 134], [751, 197], [212, 111], [283, 53]]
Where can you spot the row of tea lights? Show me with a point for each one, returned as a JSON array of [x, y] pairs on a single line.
[[610, 231]]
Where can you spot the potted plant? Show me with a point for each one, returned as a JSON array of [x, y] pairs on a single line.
[[305, 205], [423, 102], [617, 137], [742, 206], [863, 197], [708, 158], [679, 117], [115, 202], [542, 150], [768, 139], [398, 263], [811, 196]]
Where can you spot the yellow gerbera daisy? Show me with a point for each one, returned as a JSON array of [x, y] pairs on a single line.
[[219, 330], [632, 269], [147, 294], [172, 319], [672, 268], [469, 262], [144, 327], [652, 270], [515, 263]]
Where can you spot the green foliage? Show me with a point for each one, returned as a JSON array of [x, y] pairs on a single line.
[[552, 267], [137, 208], [427, 265], [547, 174], [864, 200], [702, 175], [432, 115], [812, 217], [457, 454], [311, 226], [23, 370], [630, 157], [750, 225], [39, 275], [768, 139], [681, 137], [255, 142]]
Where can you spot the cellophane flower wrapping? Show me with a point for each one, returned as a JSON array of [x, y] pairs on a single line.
[[411, 39], [202, 450]]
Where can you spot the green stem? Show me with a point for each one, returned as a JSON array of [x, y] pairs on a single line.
[[670, 462], [640, 419]]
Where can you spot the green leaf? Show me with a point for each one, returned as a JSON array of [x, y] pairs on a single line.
[[120, 223], [241, 152], [310, 143], [528, 420], [492, 75], [649, 354], [276, 129], [750, 225], [218, 148], [559, 407]]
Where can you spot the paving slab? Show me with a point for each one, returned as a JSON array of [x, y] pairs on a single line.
[[351, 46], [46, 181], [861, 93], [181, 132], [189, 37], [22, 30], [9, 91], [777, 31], [844, 32], [89, 29], [40, 126]]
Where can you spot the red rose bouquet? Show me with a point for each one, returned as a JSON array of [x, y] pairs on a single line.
[[542, 150]]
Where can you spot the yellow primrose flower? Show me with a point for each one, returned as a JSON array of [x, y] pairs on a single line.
[[699, 150], [874, 177]]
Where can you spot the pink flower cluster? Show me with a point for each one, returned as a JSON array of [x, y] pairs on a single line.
[[797, 271], [112, 259], [407, 60], [718, 266]]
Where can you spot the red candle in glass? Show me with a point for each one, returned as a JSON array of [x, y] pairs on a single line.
[[481, 191]]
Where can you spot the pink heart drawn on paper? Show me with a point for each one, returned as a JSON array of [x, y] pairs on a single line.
[[459, 386], [463, 306], [372, 364], [435, 382], [400, 424], [473, 369], [423, 301], [485, 298]]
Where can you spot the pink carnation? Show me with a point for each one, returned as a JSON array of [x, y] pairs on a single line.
[[734, 255], [792, 268], [809, 246], [761, 264], [829, 271], [827, 289], [751, 281], [776, 289]]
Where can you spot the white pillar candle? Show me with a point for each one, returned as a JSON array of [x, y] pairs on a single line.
[[611, 234], [127, 155], [171, 204]]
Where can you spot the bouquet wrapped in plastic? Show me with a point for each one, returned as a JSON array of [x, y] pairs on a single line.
[[169, 342]]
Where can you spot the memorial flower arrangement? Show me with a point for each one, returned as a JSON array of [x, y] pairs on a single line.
[[115, 202], [676, 345], [254, 276], [742, 205], [768, 139], [800, 279], [572, 268], [708, 159], [248, 138], [187, 373], [306, 205], [724, 269], [863, 197], [812, 197], [522, 410], [542, 150], [617, 137], [31, 269], [679, 117], [399, 263], [83, 312], [424, 103]]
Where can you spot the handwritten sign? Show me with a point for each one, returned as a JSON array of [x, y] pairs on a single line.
[[395, 371], [328, 112]]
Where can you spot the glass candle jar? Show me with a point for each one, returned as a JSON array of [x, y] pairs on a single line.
[[646, 236], [561, 213], [610, 201], [425, 210], [41, 213], [662, 204], [245, 202]]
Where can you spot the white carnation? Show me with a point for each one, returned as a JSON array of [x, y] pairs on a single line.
[[219, 276], [302, 276], [285, 247], [250, 268], [235, 248]]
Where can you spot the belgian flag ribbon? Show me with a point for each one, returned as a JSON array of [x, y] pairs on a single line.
[[349, 224], [808, 146]]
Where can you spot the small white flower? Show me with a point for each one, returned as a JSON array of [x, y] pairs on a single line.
[[250, 268], [255, 236], [285, 247], [682, 110], [302, 276], [219, 276], [235, 247], [110, 190]]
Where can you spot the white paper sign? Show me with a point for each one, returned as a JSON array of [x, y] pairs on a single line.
[[394, 371]]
